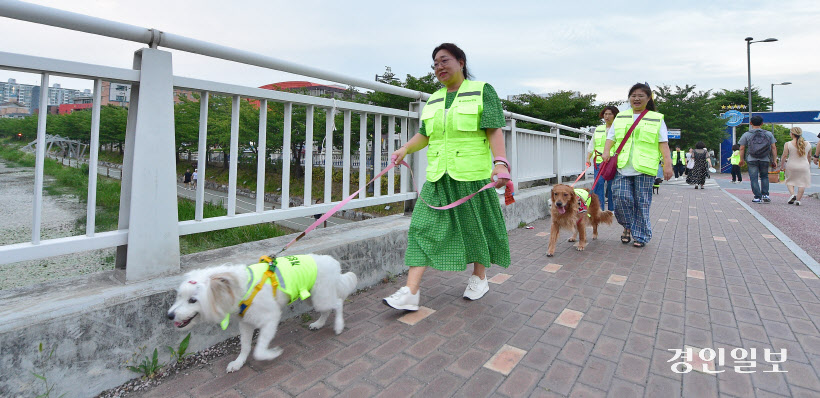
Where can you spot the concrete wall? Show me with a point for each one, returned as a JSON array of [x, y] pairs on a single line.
[[98, 322]]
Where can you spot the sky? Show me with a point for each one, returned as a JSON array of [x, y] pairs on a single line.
[[517, 46]]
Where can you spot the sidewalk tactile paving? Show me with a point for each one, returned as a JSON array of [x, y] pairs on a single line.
[[719, 238], [499, 278], [505, 359], [552, 268], [542, 234], [415, 317], [616, 280], [569, 318], [768, 236], [693, 273], [806, 274]]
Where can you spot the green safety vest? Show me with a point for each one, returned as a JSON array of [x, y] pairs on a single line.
[[678, 155], [457, 145], [735, 159], [296, 275], [644, 139], [600, 139], [583, 196]]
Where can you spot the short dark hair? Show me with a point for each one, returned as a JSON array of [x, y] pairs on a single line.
[[736, 147], [757, 120], [457, 52], [610, 108], [677, 147], [700, 145], [648, 91]]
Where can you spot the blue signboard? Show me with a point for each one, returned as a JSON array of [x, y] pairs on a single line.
[[674, 134], [733, 118], [786, 117]]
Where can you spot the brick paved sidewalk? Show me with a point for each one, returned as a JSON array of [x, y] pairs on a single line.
[[592, 323]]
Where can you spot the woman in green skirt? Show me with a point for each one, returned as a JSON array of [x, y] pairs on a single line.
[[461, 126]]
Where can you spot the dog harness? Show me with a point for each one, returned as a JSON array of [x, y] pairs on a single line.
[[294, 275], [583, 200]]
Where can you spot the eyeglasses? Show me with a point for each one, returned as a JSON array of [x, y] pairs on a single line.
[[443, 61]]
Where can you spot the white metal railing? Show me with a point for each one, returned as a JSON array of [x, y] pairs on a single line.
[[148, 229]]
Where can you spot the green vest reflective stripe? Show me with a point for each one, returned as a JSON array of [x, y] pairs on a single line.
[[678, 155], [600, 139], [457, 146], [296, 275], [735, 159], [643, 141]]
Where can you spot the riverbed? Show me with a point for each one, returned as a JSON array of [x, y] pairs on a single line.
[[60, 214]]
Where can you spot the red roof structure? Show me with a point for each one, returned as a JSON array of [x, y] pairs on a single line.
[[66, 109]]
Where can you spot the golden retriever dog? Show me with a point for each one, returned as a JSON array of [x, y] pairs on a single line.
[[565, 214]]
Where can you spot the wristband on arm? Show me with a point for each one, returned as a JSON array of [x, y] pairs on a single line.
[[502, 159]]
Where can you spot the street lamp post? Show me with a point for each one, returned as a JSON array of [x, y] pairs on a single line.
[[749, 41], [776, 84]]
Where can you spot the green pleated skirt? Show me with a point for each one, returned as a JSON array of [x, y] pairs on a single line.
[[448, 240]]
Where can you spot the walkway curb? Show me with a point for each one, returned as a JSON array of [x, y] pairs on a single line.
[[813, 265]]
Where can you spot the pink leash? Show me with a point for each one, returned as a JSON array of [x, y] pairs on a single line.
[[392, 164], [581, 175]]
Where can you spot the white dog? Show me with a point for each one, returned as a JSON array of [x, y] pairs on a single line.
[[212, 294]]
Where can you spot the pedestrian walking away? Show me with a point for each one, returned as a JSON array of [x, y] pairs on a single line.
[[737, 176], [186, 178], [702, 163], [194, 177], [796, 162], [595, 149], [758, 150], [459, 150], [638, 162], [690, 161]]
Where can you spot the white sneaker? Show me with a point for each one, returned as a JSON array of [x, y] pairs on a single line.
[[797, 203], [476, 288], [403, 300]]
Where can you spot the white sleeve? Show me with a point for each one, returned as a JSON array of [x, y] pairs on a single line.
[[664, 133], [610, 134]]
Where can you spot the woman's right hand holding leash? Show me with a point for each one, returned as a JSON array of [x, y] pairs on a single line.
[[398, 155]]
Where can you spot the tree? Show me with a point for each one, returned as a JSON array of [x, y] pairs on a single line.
[[569, 108], [692, 112], [426, 84]]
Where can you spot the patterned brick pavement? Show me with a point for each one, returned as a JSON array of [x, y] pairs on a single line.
[[593, 324]]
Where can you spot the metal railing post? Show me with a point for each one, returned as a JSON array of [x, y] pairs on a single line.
[[418, 160], [148, 204], [556, 155], [512, 153]]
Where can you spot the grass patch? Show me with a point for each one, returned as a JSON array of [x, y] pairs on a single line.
[[195, 243]]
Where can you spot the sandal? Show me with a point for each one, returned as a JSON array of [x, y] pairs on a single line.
[[626, 237], [638, 244]]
